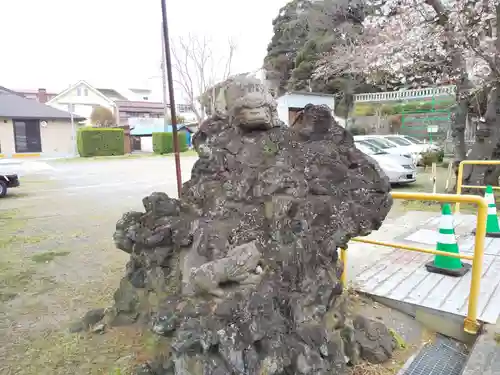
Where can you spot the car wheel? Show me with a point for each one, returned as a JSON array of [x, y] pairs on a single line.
[[3, 189]]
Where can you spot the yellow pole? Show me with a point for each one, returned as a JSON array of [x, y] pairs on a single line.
[[343, 258], [412, 248], [460, 177], [471, 325]]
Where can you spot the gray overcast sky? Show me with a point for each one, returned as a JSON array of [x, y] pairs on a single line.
[[117, 43]]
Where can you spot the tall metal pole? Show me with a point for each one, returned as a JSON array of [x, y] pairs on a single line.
[[71, 108], [173, 117], [164, 85]]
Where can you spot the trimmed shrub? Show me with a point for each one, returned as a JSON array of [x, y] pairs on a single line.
[[100, 142], [163, 142], [183, 142], [430, 157]]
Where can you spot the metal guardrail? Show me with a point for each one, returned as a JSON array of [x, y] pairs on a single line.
[[471, 324], [460, 177]]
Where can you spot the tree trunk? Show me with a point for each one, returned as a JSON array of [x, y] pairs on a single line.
[[458, 125], [487, 146], [463, 83]]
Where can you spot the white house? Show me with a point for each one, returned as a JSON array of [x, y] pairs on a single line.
[[292, 102], [81, 98]]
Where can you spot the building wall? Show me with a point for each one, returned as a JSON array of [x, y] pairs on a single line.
[[6, 137], [56, 138], [147, 143], [295, 100], [139, 94], [83, 99]]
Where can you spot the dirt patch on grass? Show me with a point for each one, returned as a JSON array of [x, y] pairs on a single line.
[[48, 256], [410, 335]]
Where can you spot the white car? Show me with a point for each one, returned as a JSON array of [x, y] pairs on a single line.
[[414, 150], [385, 145], [425, 146], [391, 164]]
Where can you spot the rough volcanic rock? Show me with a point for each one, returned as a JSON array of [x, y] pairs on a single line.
[[242, 275]]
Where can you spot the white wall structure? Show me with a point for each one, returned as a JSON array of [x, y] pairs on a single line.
[[300, 100], [147, 143]]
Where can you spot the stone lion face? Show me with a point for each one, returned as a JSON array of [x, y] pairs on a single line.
[[253, 111]]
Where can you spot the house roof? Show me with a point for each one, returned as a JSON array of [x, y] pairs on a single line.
[[8, 91], [15, 107], [86, 84], [34, 91], [112, 93]]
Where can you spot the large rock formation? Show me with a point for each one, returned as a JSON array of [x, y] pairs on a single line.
[[241, 276]]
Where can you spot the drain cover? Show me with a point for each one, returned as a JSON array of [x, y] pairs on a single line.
[[443, 357]]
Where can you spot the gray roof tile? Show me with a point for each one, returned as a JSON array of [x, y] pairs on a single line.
[[15, 106]]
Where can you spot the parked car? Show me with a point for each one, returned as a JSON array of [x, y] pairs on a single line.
[[391, 164], [7, 181], [427, 146], [419, 147], [385, 145], [414, 150]]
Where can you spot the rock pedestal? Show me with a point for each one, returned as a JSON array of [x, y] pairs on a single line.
[[241, 275]]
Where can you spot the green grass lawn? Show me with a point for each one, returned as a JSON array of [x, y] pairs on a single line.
[[424, 184]]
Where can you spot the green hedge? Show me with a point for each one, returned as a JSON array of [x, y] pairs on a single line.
[[100, 142], [163, 142]]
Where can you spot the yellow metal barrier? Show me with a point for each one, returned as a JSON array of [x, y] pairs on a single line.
[[460, 177], [471, 324]]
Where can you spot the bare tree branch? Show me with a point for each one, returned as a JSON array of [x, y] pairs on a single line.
[[196, 68]]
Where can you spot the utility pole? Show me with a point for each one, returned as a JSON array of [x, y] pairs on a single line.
[[164, 84], [173, 116], [71, 108]]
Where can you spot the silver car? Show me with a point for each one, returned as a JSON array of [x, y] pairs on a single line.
[[385, 145], [399, 169]]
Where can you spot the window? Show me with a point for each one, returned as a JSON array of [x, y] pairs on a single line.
[[183, 108], [363, 148], [86, 91], [399, 141], [145, 98], [27, 136], [413, 140], [78, 91], [381, 143], [369, 148]]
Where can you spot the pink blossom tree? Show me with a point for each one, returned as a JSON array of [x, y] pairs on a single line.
[[418, 43]]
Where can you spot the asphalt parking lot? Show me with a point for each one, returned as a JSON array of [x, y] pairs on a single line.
[[58, 259]]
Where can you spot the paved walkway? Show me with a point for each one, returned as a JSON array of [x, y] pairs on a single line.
[[401, 275]]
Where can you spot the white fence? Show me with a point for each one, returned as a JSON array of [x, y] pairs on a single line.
[[428, 92]]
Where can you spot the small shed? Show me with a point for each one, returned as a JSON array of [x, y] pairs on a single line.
[[292, 102], [142, 130]]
